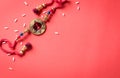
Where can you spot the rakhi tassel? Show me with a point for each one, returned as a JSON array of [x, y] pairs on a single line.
[[25, 48]]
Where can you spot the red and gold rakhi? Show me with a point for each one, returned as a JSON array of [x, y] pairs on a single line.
[[37, 27]]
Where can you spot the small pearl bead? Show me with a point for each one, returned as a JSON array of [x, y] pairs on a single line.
[[63, 14], [6, 28], [25, 3], [78, 8], [56, 33], [13, 59], [16, 31], [15, 20], [10, 68], [8, 54], [24, 25], [77, 2], [23, 15], [4, 42]]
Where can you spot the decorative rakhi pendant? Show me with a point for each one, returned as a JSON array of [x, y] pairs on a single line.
[[37, 26]]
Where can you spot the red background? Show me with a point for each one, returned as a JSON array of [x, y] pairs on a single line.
[[88, 45]]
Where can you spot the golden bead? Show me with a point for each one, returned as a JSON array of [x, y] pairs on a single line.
[[26, 31], [43, 5], [24, 48], [40, 7], [46, 17], [21, 53]]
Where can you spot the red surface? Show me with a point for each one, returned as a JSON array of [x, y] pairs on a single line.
[[88, 45]]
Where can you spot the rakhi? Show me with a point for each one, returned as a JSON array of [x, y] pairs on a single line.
[[37, 27]]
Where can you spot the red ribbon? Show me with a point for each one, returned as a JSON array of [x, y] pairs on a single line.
[[11, 46]]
